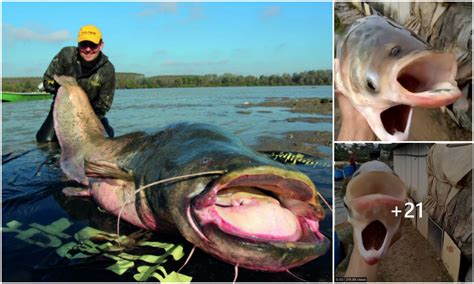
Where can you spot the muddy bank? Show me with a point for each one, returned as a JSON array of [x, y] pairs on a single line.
[[410, 259], [305, 105], [296, 141], [310, 119]]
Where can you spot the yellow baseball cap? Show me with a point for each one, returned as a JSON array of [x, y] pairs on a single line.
[[89, 33]]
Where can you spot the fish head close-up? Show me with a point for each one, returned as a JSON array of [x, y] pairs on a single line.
[[371, 197], [256, 213], [386, 70]]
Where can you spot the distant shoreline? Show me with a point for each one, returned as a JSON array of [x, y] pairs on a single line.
[[139, 81], [250, 86]]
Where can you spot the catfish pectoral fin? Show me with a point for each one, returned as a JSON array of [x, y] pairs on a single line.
[[104, 169], [76, 191]]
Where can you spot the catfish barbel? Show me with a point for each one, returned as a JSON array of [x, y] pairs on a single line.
[[259, 214]]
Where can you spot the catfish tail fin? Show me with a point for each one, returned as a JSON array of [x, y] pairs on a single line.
[[77, 127]]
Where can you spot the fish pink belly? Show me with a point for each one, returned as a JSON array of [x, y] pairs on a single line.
[[111, 195]]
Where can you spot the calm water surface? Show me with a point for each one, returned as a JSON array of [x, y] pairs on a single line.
[[141, 109]]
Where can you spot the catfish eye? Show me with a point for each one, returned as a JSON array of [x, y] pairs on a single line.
[[371, 85], [205, 161], [395, 50]]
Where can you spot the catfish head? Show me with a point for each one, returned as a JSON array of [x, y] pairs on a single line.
[[372, 194], [258, 214], [385, 70]]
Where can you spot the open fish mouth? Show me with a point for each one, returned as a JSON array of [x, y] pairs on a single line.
[[373, 235], [262, 204], [396, 119], [370, 199], [374, 224], [427, 79]]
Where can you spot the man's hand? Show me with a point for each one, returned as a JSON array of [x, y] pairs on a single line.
[[354, 126], [51, 86]]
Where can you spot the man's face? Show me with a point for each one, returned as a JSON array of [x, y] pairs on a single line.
[[89, 50]]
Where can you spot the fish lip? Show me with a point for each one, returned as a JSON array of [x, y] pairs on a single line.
[[372, 260], [379, 125], [422, 78], [374, 254], [303, 189], [286, 260], [426, 78]]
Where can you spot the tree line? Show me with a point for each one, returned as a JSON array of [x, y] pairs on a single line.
[[319, 77], [136, 80]]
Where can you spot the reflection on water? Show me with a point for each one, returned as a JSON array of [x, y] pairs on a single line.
[[32, 185], [141, 109]]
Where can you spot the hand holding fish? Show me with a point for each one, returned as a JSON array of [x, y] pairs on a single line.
[[354, 126], [384, 70]]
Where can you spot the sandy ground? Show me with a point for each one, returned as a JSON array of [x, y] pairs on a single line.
[[297, 141], [433, 124], [410, 259], [305, 105]]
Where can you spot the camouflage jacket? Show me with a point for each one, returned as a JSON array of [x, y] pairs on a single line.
[[98, 82]]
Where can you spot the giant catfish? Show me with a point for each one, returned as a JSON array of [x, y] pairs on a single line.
[[385, 70], [257, 214]]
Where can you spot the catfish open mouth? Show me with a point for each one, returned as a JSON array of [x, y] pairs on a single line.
[[373, 235], [428, 79], [415, 77], [268, 205], [425, 71], [396, 119]]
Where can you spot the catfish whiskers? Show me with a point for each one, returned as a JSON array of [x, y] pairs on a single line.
[[130, 200]]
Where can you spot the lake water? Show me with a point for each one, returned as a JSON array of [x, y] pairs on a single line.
[[40, 224], [140, 109]]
